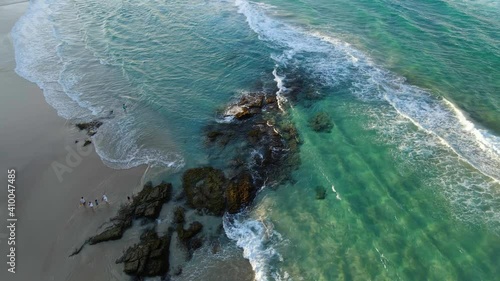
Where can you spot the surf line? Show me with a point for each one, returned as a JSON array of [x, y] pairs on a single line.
[[441, 139], [281, 89]]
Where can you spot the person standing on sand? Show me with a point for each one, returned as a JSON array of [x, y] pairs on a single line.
[[91, 205], [124, 108], [96, 204], [82, 202], [105, 198]]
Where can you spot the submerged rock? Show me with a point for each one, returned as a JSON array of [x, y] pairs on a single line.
[[148, 258], [189, 237], [321, 122], [213, 135], [320, 193]]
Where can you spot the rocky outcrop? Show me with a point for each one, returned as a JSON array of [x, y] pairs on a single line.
[[252, 101], [186, 234], [204, 188], [189, 236], [248, 106], [116, 226], [240, 193], [149, 201], [208, 189], [179, 217], [147, 204], [260, 147], [90, 127], [148, 258]]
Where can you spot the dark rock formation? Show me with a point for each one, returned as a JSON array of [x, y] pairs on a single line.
[[186, 234], [248, 106], [148, 258], [208, 189], [194, 244], [204, 188], [320, 193], [179, 217], [240, 193], [117, 226], [87, 142], [321, 122], [90, 127], [76, 251], [189, 237], [147, 204], [250, 101], [262, 148], [149, 201]]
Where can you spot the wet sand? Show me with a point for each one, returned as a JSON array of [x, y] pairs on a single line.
[[50, 222]]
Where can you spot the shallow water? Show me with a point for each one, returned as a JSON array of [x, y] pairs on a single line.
[[411, 167]]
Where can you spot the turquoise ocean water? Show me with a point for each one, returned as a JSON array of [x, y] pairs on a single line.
[[412, 165]]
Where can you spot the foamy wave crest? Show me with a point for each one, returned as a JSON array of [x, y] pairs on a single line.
[[281, 89], [257, 239], [335, 63], [52, 50], [37, 59]]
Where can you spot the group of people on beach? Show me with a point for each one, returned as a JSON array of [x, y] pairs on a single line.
[[91, 204]]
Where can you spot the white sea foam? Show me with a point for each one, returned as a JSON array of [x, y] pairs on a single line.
[[281, 90], [52, 50], [335, 191], [257, 238], [333, 62], [442, 138]]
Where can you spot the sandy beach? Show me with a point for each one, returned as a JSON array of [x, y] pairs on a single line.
[[50, 222]]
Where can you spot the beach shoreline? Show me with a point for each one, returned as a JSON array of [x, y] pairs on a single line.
[[54, 169], [52, 173]]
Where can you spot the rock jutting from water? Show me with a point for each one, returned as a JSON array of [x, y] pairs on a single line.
[[207, 189], [148, 258], [90, 127], [259, 147], [204, 188]]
